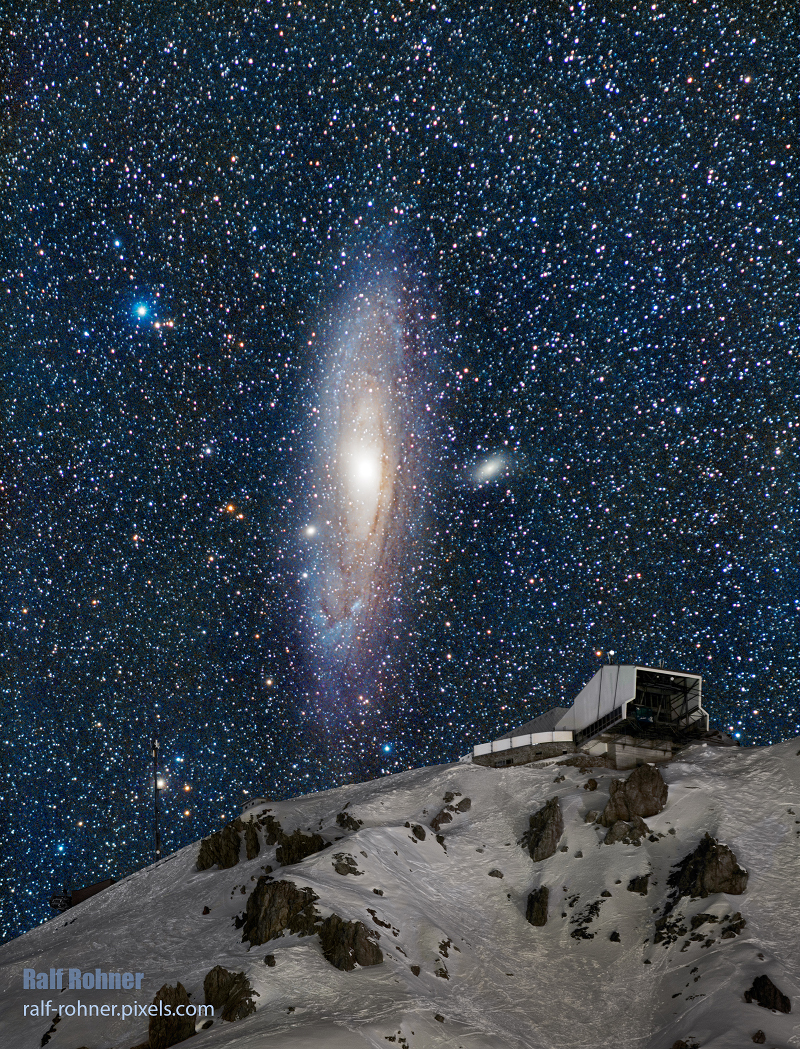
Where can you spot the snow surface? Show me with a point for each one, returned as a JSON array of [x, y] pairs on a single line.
[[509, 984]]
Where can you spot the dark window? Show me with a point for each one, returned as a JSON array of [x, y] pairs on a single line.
[[599, 725]]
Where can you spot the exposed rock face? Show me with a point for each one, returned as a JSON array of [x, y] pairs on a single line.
[[347, 822], [277, 905], [759, 1038], [418, 831], [296, 846], [712, 867], [251, 842], [347, 944], [764, 992], [464, 805], [344, 864], [639, 884], [164, 1031], [440, 818], [643, 793], [536, 911], [221, 848], [229, 993], [547, 826], [273, 832], [631, 832], [591, 816]]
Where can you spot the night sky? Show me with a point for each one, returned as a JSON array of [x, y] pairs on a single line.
[[568, 233]]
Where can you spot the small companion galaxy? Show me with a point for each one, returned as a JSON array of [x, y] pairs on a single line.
[[371, 375]]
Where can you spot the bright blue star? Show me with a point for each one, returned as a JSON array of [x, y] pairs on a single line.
[[141, 311], [387, 747]]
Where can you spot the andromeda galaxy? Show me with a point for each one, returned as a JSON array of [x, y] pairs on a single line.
[[369, 450]]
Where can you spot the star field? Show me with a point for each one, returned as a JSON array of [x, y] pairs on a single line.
[[598, 203]]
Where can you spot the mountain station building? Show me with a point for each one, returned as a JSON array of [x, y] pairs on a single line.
[[629, 714]]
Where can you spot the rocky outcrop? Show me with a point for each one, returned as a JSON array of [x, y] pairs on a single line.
[[765, 993], [712, 867], [296, 846], [464, 805], [639, 884], [643, 793], [347, 822], [277, 906], [164, 1031], [630, 832], [536, 910], [221, 848], [546, 828], [251, 843], [418, 831], [345, 864], [273, 832], [229, 993], [440, 818], [347, 944]]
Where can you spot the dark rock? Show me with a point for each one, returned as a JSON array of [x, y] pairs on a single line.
[[206, 910], [643, 793], [345, 864], [415, 969], [296, 846], [614, 937], [348, 822], [590, 784], [229, 993], [632, 831], [378, 892], [346, 944], [269, 960], [759, 1038], [639, 884], [546, 828], [765, 993], [605, 892], [220, 848], [680, 1044], [164, 1031], [702, 919], [439, 1017], [419, 831], [273, 832], [442, 817], [734, 927], [464, 805], [591, 816], [536, 910], [711, 868], [275, 906], [251, 842], [239, 920], [495, 873]]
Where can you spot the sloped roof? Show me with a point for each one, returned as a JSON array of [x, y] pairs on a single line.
[[544, 723]]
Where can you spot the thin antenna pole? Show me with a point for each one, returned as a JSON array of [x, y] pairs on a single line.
[[155, 795]]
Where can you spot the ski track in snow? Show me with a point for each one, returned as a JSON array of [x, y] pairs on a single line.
[[510, 985]]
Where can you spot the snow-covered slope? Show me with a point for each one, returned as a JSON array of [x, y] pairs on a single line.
[[487, 978]]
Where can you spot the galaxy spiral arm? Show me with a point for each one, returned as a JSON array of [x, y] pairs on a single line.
[[369, 459]]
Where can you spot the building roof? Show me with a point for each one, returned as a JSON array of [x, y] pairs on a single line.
[[544, 723]]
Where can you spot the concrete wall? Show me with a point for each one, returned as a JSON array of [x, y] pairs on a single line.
[[522, 755], [630, 751]]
